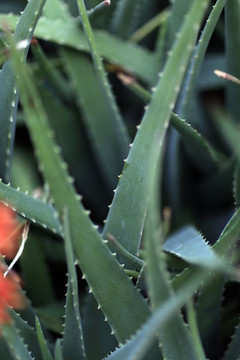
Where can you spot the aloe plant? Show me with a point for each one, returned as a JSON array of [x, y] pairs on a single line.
[[128, 173]]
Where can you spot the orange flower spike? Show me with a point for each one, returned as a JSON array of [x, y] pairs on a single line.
[[10, 295], [10, 232]]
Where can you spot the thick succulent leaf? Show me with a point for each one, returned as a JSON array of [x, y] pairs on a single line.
[[103, 134], [233, 351], [126, 16], [94, 327], [15, 343], [173, 331], [46, 354], [185, 102], [56, 9], [122, 137], [111, 284], [232, 44], [4, 352], [188, 133], [128, 210], [209, 314], [132, 57], [72, 342], [31, 208], [28, 335], [8, 86], [139, 345], [58, 350], [188, 244], [236, 185], [225, 242], [178, 13]]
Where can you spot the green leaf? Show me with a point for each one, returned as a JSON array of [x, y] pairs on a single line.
[[58, 350], [8, 87], [111, 284], [139, 345], [132, 57], [46, 355], [190, 246], [28, 335], [128, 210], [15, 343], [103, 133], [126, 16], [72, 342], [173, 331], [233, 351], [232, 46], [31, 208]]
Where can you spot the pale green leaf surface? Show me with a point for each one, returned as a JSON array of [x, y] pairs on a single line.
[[132, 57], [188, 244], [15, 343]]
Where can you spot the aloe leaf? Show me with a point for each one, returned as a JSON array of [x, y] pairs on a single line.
[[8, 87], [15, 343], [173, 331], [185, 103], [56, 9], [111, 284], [233, 351], [127, 213], [132, 57], [31, 208], [94, 327], [236, 185], [51, 316], [138, 346], [209, 314], [46, 355], [28, 335], [4, 352], [190, 246], [72, 342], [65, 123], [122, 140], [225, 242], [58, 350], [101, 129], [126, 15], [188, 133], [178, 13], [193, 328], [232, 27]]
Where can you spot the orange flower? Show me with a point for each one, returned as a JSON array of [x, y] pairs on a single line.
[[10, 295], [10, 232]]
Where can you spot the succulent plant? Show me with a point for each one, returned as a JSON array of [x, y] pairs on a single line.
[[115, 107]]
